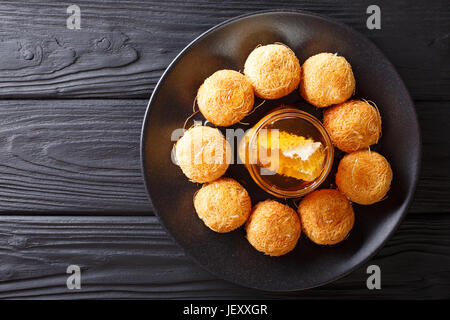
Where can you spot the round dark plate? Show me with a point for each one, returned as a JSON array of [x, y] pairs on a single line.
[[230, 256]]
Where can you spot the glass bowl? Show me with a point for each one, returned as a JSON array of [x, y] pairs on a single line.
[[293, 121]]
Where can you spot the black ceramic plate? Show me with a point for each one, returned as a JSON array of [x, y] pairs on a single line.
[[230, 256]]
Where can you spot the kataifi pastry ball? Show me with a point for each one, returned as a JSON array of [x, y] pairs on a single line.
[[326, 79], [224, 205], [273, 228], [225, 98], [203, 154], [326, 216], [364, 176], [353, 125], [273, 70]]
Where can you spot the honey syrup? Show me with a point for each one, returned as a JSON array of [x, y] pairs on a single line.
[[287, 154]]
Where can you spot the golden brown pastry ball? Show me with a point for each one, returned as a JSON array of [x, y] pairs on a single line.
[[326, 216], [203, 154], [326, 79], [353, 125], [273, 228], [223, 205], [364, 176], [273, 70], [225, 98]]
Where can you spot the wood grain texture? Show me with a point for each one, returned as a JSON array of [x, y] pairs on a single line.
[[71, 156], [433, 190], [132, 257], [123, 46], [82, 156]]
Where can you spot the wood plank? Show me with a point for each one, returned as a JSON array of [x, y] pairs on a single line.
[[71, 156], [82, 156], [433, 190], [132, 257], [123, 47]]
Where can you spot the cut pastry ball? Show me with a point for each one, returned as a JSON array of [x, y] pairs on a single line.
[[364, 176], [326, 216], [353, 125], [290, 155], [225, 98], [273, 70], [273, 228], [223, 205], [203, 154], [326, 79]]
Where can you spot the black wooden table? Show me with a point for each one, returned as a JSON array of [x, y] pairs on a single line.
[[72, 103]]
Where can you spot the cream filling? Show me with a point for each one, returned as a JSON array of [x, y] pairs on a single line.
[[302, 152]]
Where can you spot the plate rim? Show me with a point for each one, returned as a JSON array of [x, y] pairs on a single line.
[[418, 165]]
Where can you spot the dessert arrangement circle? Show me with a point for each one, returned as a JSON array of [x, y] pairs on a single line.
[[289, 154], [377, 116]]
